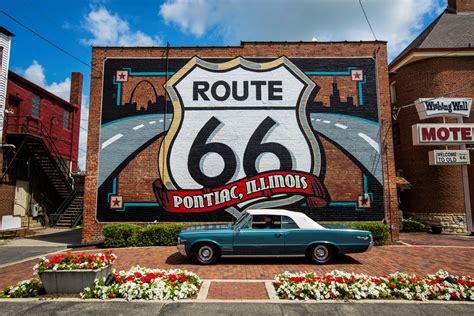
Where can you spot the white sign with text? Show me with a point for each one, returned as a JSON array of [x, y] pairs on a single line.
[[447, 107], [449, 157]]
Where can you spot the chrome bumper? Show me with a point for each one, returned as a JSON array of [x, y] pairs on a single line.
[[371, 245], [182, 249]]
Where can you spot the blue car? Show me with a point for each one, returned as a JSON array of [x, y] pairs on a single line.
[[271, 233]]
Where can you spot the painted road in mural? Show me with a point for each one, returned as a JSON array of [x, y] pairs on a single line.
[[349, 130], [133, 131], [142, 129]]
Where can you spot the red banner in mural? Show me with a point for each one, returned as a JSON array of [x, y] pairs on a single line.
[[263, 185]]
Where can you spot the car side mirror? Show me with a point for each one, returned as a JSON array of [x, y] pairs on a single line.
[[237, 229]]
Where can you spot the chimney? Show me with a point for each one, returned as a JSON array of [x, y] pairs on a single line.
[[75, 96], [459, 6]]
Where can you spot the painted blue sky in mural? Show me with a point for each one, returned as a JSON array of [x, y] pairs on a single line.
[[76, 25]]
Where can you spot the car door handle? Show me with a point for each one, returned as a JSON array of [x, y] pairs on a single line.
[[278, 235]]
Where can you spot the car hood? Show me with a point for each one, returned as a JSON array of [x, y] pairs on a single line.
[[206, 227]]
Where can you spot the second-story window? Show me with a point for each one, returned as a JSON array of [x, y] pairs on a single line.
[[66, 119], [36, 105]]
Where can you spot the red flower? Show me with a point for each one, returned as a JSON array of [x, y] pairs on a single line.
[[111, 295], [172, 277], [392, 286]]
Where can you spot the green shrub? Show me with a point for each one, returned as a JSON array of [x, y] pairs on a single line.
[[129, 235], [119, 235], [412, 225], [27, 288], [156, 235], [379, 230]]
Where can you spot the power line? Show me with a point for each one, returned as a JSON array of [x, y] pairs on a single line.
[[367, 19], [45, 39]]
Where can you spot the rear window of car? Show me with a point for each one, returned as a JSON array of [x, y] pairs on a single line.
[[288, 223]]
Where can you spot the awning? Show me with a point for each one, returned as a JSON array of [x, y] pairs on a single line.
[[403, 183]]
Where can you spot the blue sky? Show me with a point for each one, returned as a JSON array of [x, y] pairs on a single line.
[[75, 25]]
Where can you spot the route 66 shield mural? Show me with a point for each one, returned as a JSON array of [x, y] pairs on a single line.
[[239, 138], [202, 139]]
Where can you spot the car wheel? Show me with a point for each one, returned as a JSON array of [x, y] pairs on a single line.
[[321, 253], [205, 253]]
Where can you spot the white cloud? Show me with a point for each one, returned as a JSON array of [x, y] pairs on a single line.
[[36, 74], [397, 21], [110, 29]]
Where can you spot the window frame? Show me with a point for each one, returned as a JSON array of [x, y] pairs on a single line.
[[68, 127], [393, 92], [283, 226], [33, 112]]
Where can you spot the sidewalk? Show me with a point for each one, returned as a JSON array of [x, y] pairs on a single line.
[[43, 242], [365, 308]]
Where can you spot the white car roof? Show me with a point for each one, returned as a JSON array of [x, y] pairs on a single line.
[[301, 219]]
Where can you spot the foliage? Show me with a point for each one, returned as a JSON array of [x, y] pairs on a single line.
[[146, 284], [156, 235], [27, 288], [129, 235], [70, 261], [379, 230], [341, 285], [412, 225], [118, 235]]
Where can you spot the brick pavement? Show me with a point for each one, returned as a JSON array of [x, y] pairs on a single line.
[[380, 260], [237, 291], [442, 239]]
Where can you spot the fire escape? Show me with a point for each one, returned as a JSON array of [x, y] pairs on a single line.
[[34, 137]]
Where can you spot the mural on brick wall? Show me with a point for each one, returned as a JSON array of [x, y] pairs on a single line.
[[239, 133]]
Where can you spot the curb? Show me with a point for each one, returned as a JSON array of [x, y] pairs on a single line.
[[272, 301]]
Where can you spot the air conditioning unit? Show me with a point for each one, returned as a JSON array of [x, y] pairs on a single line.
[[35, 209]]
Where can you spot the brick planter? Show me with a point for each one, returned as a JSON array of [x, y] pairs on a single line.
[[71, 281]]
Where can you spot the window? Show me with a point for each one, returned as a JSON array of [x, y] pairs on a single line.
[[393, 92], [14, 101], [35, 105], [266, 222], [66, 119], [396, 134], [288, 223]]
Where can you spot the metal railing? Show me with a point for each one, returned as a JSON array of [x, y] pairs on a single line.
[[32, 126], [55, 217]]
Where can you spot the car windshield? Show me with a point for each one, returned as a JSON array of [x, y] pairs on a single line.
[[241, 219]]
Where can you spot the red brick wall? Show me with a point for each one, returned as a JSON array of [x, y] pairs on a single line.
[[51, 116], [7, 197], [461, 5], [93, 230], [435, 189]]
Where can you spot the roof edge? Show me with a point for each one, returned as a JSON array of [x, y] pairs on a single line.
[[43, 90], [243, 43], [443, 53]]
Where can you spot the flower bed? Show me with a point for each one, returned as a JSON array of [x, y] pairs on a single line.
[[341, 285], [146, 284], [27, 288], [81, 261]]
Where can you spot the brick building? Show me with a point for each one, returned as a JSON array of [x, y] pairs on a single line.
[[439, 62], [40, 142], [239, 127]]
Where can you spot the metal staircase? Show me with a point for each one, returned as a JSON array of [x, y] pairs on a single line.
[[34, 137], [73, 214]]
